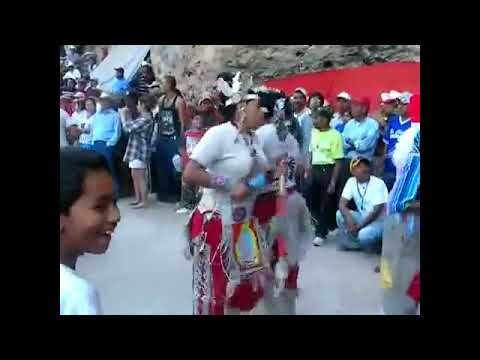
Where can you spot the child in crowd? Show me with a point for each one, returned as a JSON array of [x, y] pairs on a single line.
[[88, 218], [192, 137]]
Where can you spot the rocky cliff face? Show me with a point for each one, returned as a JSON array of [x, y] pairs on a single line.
[[196, 66]]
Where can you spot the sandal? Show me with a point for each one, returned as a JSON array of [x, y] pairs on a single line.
[[139, 206]]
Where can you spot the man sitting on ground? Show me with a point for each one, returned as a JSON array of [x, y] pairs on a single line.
[[362, 229]]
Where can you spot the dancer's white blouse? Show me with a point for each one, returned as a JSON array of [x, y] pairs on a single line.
[[223, 151]]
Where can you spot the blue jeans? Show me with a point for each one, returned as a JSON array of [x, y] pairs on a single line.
[[369, 237], [86, 146], [166, 181], [101, 147]]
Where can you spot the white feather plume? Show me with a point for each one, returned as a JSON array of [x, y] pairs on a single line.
[[236, 84], [223, 86], [404, 146]]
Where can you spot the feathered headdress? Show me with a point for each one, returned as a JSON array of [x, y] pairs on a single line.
[[233, 93]]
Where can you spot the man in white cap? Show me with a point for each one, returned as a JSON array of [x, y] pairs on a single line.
[[395, 127], [389, 104], [72, 73], [341, 117], [302, 114], [208, 112]]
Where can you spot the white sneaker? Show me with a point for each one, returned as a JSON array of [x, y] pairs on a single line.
[[182, 211], [318, 241]]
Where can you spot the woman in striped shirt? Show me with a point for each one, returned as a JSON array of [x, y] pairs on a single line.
[[139, 148]]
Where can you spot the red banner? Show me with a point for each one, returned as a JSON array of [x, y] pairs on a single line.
[[369, 81]]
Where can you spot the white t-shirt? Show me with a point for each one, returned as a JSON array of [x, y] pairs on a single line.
[[74, 74], [64, 118], [223, 151], [274, 149], [374, 192], [82, 120], [77, 296]]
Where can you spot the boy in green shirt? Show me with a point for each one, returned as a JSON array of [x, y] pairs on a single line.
[[326, 151]]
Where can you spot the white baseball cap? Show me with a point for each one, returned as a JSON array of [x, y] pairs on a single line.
[[394, 95], [405, 97], [385, 96], [344, 95], [302, 90]]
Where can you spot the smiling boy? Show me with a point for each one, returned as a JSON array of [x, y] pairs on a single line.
[[88, 218]]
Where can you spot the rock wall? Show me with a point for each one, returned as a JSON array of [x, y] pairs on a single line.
[[196, 66]]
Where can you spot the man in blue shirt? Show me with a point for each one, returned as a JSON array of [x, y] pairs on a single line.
[[342, 116], [395, 127], [361, 133], [302, 113], [106, 130], [120, 84], [360, 137]]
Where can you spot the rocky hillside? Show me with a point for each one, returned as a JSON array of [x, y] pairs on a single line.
[[196, 66]]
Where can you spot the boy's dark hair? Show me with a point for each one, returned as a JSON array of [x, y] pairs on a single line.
[[325, 112], [75, 164]]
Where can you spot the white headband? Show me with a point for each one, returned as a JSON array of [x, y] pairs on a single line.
[[251, 97]]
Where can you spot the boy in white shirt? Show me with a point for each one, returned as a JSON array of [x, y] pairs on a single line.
[[362, 229], [88, 217]]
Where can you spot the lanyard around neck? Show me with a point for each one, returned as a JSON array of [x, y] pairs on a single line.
[[362, 196]]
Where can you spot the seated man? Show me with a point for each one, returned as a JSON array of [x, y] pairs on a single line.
[[362, 229]]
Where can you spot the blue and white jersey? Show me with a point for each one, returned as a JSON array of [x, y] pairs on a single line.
[[396, 126]]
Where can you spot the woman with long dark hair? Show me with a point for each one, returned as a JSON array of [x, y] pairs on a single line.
[[229, 256], [139, 149], [170, 121]]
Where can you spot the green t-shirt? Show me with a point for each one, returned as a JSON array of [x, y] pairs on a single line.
[[326, 146]]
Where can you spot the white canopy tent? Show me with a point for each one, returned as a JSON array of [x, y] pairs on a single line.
[[129, 57]]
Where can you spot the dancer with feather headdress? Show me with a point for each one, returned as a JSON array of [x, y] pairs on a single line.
[[229, 250]]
